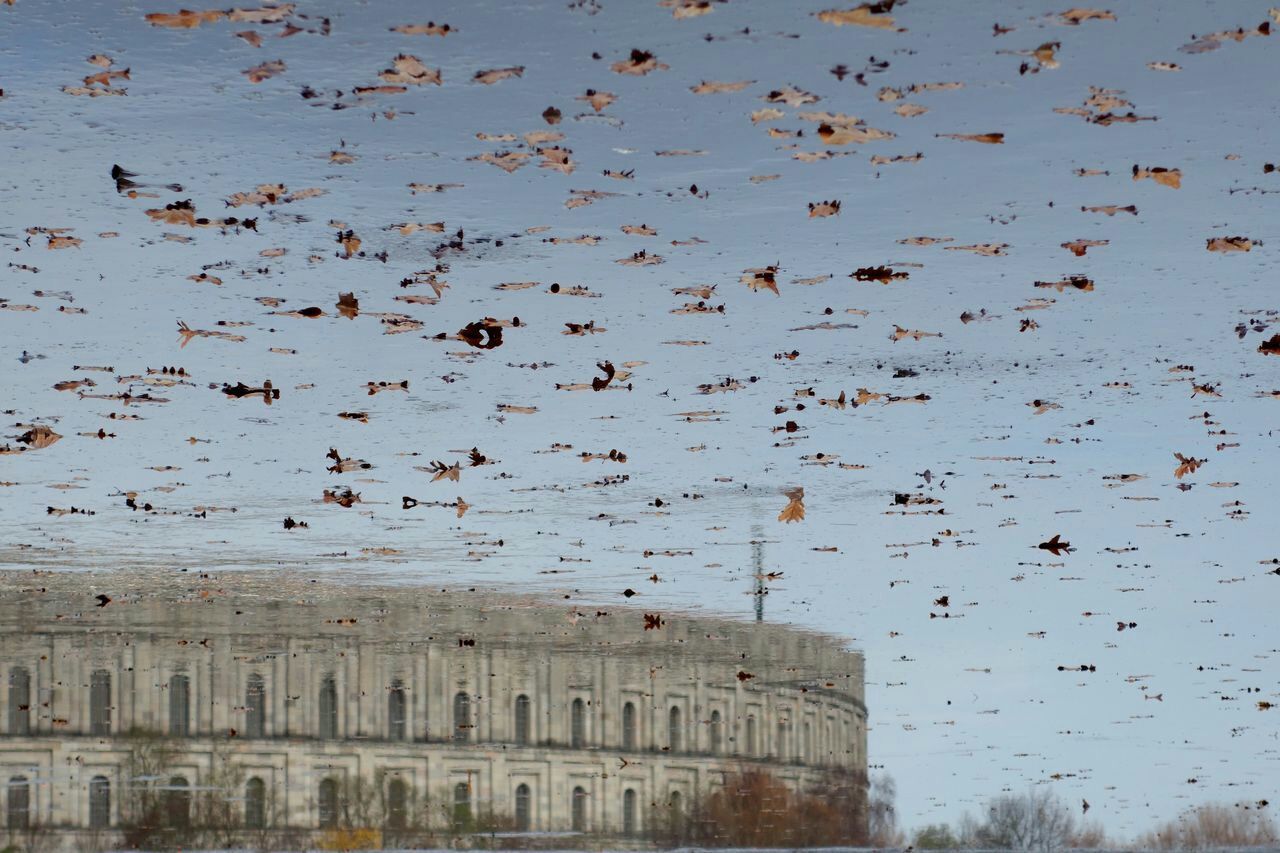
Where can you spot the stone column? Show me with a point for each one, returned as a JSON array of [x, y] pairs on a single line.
[[418, 690]]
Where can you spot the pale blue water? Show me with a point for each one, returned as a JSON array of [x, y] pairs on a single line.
[[962, 708]]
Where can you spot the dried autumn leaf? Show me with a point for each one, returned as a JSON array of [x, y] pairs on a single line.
[[1077, 16], [867, 15], [431, 28], [708, 88], [185, 19], [1186, 465], [1165, 177], [92, 92], [507, 161], [985, 138], [432, 188], [348, 305], [597, 100], [882, 274], [104, 78], [682, 9], [791, 96], [767, 114], [349, 241], [261, 195], [270, 14], [1075, 282], [1079, 247], [761, 278], [842, 135], [407, 228], [823, 209], [884, 160], [265, 71], [987, 249], [493, 75], [1111, 209], [640, 259], [900, 333], [39, 437], [639, 63], [794, 510], [925, 241], [408, 69], [1229, 244]]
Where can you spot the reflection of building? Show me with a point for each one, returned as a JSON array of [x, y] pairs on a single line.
[[281, 694]]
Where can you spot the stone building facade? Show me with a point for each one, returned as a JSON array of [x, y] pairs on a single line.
[[278, 697]]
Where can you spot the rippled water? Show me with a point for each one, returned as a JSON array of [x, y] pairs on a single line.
[[922, 517]]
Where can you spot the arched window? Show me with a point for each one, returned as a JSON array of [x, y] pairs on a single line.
[[676, 825], [255, 706], [629, 726], [524, 808], [523, 721], [750, 746], [578, 724], [329, 708], [461, 718], [255, 804], [461, 807], [397, 804], [806, 746], [630, 824], [177, 803], [717, 732], [579, 809], [18, 803], [328, 803], [100, 702], [781, 748], [397, 711], [99, 802], [179, 706], [675, 727], [19, 701]]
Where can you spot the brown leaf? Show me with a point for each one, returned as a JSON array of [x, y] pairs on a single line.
[[1165, 177], [493, 75], [265, 71], [866, 15], [794, 510], [184, 20], [1229, 244], [985, 138]]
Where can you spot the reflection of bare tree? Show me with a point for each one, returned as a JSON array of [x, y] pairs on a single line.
[[1037, 820], [1215, 825], [164, 806], [360, 813], [882, 817], [753, 808], [141, 801], [463, 817], [34, 837]]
